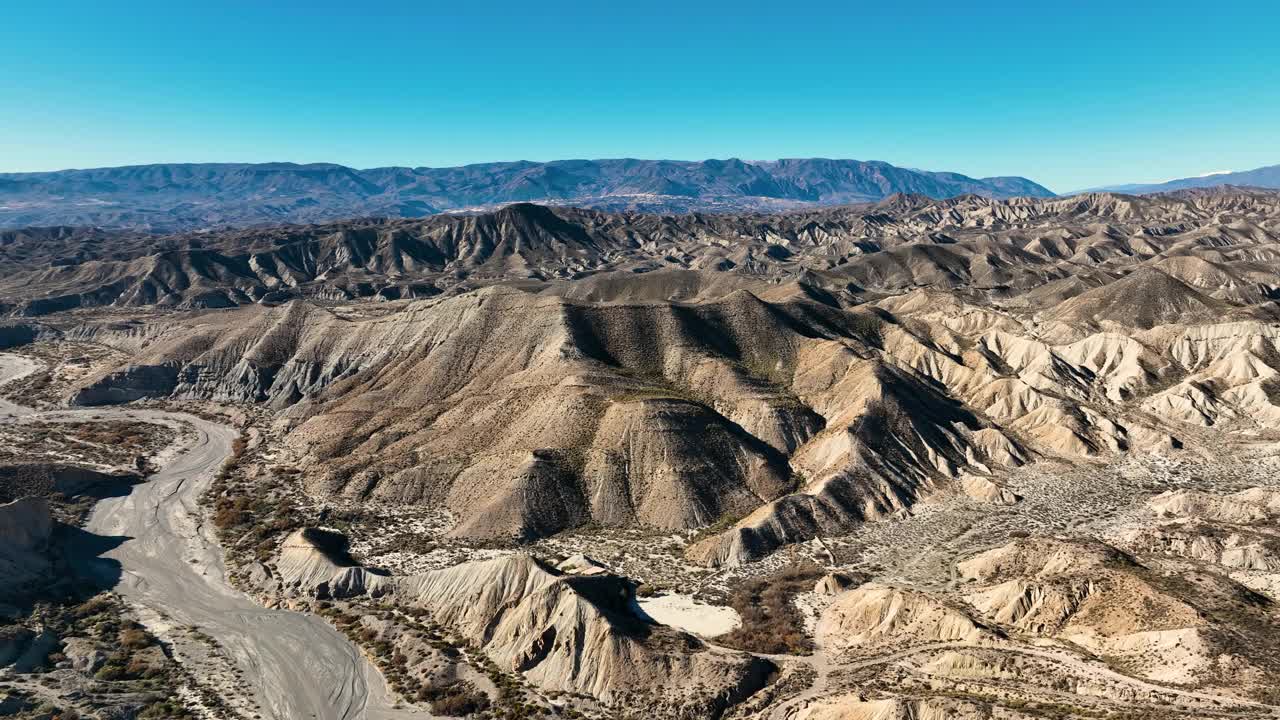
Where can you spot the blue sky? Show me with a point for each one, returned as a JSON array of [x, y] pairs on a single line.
[[1070, 94]]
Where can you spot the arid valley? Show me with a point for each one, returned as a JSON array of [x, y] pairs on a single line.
[[908, 458]]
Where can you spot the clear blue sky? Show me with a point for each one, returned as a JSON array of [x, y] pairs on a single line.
[[1072, 94]]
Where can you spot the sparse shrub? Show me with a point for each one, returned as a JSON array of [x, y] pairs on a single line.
[[138, 667], [460, 701], [111, 672], [868, 326], [134, 638], [770, 623], [723, 523], [164, 710]]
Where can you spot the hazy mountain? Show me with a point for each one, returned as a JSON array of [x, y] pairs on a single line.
[[188, 196], [1263, 177]]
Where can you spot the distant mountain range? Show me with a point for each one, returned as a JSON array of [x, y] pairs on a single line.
[[1263, 177], [191, 196]]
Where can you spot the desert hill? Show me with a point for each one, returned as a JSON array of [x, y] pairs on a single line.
[[564, 632], [827, 368], [1021, 450], [1000, 248]]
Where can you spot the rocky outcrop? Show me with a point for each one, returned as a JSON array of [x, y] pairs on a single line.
[[835, 583], [1255, 505], [36, 652], [14, 640], [579, 634], [1234, 531], [877, 615], [572, 632], [315, 563], [136, 382], [1099, 598], [84, 654]]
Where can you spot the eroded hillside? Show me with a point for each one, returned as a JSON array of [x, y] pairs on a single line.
[[1041, 431]]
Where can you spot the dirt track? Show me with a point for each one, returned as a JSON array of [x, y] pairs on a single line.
[[152, 545]]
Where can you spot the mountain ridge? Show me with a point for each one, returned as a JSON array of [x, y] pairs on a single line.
[[186, 196], [898, 243], [1267, 177]]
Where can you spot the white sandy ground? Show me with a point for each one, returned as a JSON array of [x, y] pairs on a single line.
[[683, 612], [811, 605], [14, 367]]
